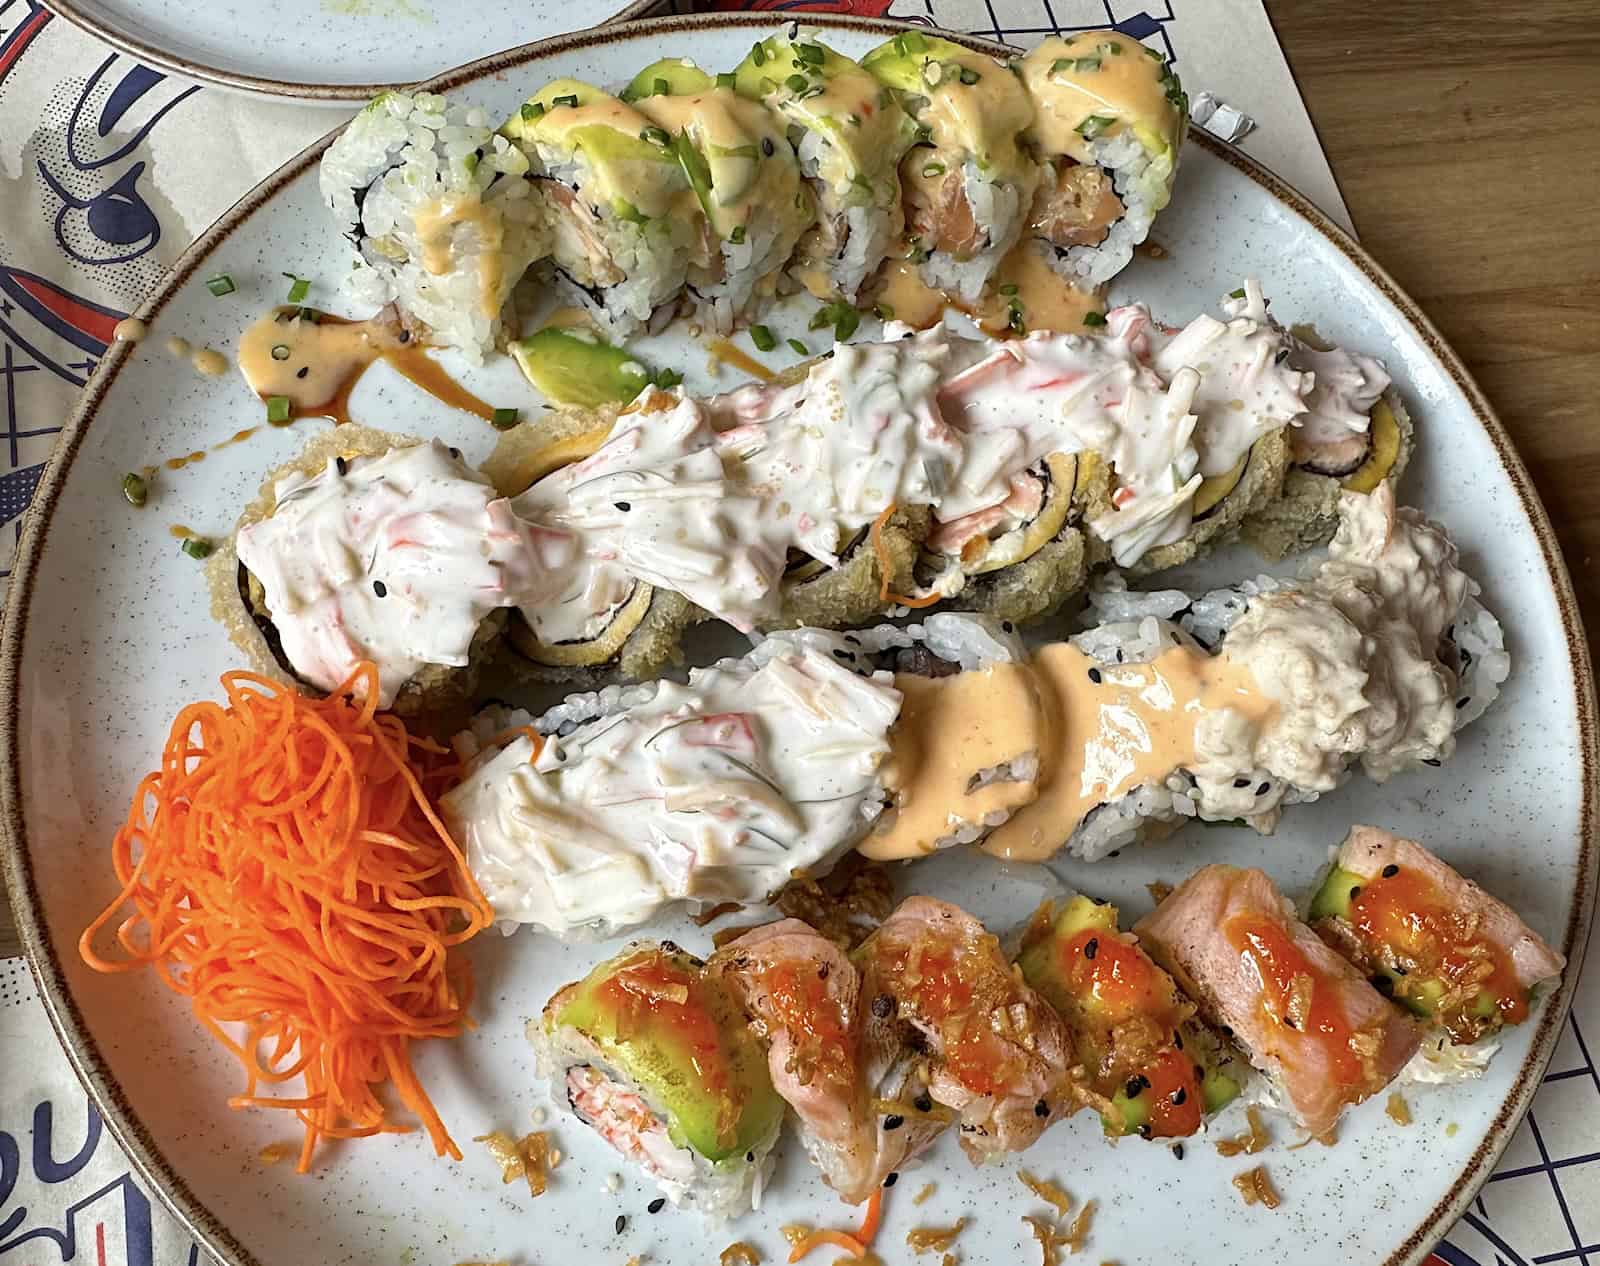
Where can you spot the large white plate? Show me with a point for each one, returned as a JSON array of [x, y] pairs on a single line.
[[109, 634], [337, 52]]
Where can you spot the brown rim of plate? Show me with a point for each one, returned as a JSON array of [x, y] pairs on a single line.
[[283, 90], [81, 1051]]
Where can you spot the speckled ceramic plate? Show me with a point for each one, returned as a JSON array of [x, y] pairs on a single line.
[[108, 634], [336, 52]]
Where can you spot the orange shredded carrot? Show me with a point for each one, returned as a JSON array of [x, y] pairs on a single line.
[[824, 1235], [289, 874], [872, 1220], [882, 555]]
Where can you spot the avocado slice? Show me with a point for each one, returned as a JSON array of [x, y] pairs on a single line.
[[573, 366], [671, 76], [1382, 453], [1214, 491], [655, 1015]]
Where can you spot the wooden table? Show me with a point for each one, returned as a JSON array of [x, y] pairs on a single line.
[[1466, 149]]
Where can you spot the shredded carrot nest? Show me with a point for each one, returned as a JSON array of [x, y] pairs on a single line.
[[288, 873]]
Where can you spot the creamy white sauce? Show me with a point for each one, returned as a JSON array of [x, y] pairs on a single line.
[[397, 560], [713, 791]]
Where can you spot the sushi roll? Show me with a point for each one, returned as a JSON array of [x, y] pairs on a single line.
[[850, 137], [611, 806], [862, 1107], [375, 547], [1153, 1069], [968, 184], [746, 180], [652, 1054], [997, 1055], [1109, 122], [1454, 956], [1324, 1038], [613, 193], [440, 213]]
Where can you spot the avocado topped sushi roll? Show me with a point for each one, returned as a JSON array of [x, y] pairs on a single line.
[[653, 1054], [439, 212], [968, 183], [746, 180], [850, 136], [614, 194], [1430, 939], [1157, 1072], [1109, 121]]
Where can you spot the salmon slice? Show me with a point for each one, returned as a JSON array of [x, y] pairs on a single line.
[[1430, 938], [804, 1002], [937, 210], [1305, 1016], [1076, 206], [997, 1055]]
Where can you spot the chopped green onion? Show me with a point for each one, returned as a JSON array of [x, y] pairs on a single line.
[[1082, 64], [278, 410], [1114, 49], [532, 112], [764, 339], [1094, 318], [470, 162], [737, 235], [1060, 64], [737, 151], [797, 83], [659, 87], [768, 86], [969, 76], [505, 419], [799, 348], [758, 54], [924, 132], [883, 312], [1236, 294], [656, 136], [844, 325], [1010, 288], [220, 285], [1093, 126], [135, 489], [911, 42], [568, 99], [933, 169], [727, 79], [280, 351], [299, 288], [810, 53], [667, 379], [1151, 52], [816, 90], [197, 547]]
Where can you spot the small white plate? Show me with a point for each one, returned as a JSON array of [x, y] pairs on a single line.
[[108, 634], [332, 52]]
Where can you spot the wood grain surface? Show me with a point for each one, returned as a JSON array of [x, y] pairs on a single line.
[[1468, 150]]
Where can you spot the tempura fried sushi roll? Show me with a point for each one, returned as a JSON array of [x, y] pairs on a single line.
[[440, 213], [968, 183], [613, 191], [1109, 122], [997, 1055], [1150, 1066], [1429, 938], [753, 204], [376, 547], [850, 139], [859, 1119], [1309, 1021], [652, 1054]]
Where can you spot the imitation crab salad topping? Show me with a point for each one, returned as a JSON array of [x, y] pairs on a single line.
[[393, 559], [713, 791]]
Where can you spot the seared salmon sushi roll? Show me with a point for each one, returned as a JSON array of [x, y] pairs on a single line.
[[1151, 1066], [997, 1055], [653, 1055], [804, 1001], [1429, 938], [1308, 1020]]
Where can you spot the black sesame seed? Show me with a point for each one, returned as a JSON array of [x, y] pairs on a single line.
[[891, 1179], [893, 1121], [1145, 1131], [1092, 948], [822, 971], [1178, 1096], [1177, 1151], [1434, 763], [1227, 1031], [1390, 871], [1008, 626], [1355, 892], [1241, 782], [405, 336], [624, 506], [622, 1223], [1263, 789], [657, 1205], [1136, 1085], [379, 588], [1289, 1020], [923, 1102], [1177, 1041], [767, 147], [1382, 984], [844, 655], [1099, 901], [302, 371], [1096, 676], [883, 1006], [1463, 701], [749, 1158], [852, 639], [342, 466], [455, 453], [1041, 1109], [1398, 971]]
